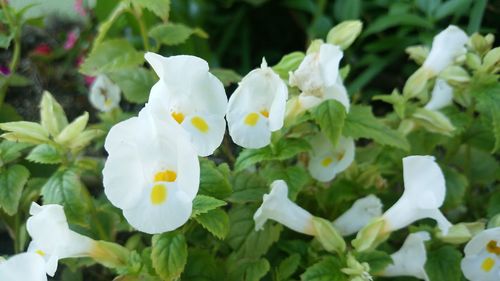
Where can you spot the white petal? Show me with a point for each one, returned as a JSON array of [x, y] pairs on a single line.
[[249, 136], [329, 60], [278, 106], [309, 101], [361, 212], [424, 181], [51, 259], [157, 218], [205, 141], [325, 161], [472, 268], [104, 94], [446, 46], [442, 95], [339, 93], [479, 242], [276, 206], [177, 69], [23, 267], [48, 227]]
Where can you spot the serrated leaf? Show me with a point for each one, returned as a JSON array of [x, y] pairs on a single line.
[[73, 130], [330, 116], [202, 266], [327, 269], [444, 264], [202, 204], [65, 188], [378, 260], [12, 181], [287, 267], [161, 8], [173, 33], [111, 56], [44, 154], [52, 116], [456, 185], [10, 151], [29, 131], [214, 179], [135, 83], [489, 105], [216, 221], [169, 254], [360, 123], [248, 187]]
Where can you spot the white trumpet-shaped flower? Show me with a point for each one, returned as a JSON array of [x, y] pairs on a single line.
[[411, 258], [192, 96], [52, 238], [446, 47], [318, 78], [257, 108], [361, 212], [442, 95], [482, 256], [104, 94], [276, 206], [327, 161], [23, 267], [424, 193], [152, 172]]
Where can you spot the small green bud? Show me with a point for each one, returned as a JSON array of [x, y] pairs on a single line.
[[479, 43], [491, 61], [473, 61], [418, 53], [328, 236], [417, 83], [490, 38], [356, 270], [73, 130], [314, 46], [433, 121], [461, 233], [52, 115], [109, 254], [455, 75], [372, 235], [344, 33]]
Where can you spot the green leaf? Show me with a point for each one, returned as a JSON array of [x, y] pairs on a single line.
[[5, 40], [169, 254], [161, 8], [24, 131], [296, 177], [202, 266], [12, 181], [226, 76], [378, 260], [73, 130], [111, 56], [289, 62], [44, 154], [52, 115], [347, 10], [202, 204], [248, 187], [388, 21], [216, 221], [248, 269], [476, 16], [330, 116], [360, 123], [249, 157], [434, 121], [489, 104], [327, 269], [451, 7], [10, 151], [288, 267], [494, 205], [174, 33], [214, 180], [444, 264], [398, 102], [456, 185], [135, 83], [65, 188]]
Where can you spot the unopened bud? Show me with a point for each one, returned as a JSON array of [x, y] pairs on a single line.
[[479, 43], [417, 82], [344, 33], [473, 61], [455, 75], [418, 53]]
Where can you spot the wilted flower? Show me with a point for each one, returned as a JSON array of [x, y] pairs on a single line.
[[104, 94], [192, 96], [23, 267], [257, 108], [276, 206], [52, 238], [152, 172], [442, 95], [446, 47], [411, 258], [327, 161], [423, 195], [482, 256], [361, 212]]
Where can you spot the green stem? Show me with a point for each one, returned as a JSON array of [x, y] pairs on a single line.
[[142, 27]]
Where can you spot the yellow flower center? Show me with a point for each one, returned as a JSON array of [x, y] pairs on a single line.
[[158, 194], [251, 119], [493, 248], [326, 161], [178, 116], [40, 252], [265, 113], [488, 264], [167, 175], [200, 124]]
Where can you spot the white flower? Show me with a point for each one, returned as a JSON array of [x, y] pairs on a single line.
[[411, 258], [257, 108], [423, 195], [482, 256], [327, 161], [23, 267], [318, 78], [192, 96], [446, 47], [152, 172], [361, 212], [52, 238], [276, 206], [442, 95], [104, 94]]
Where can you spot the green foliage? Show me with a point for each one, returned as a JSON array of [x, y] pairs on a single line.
[[135, 83], [174, 33], [287, 267], [327, 269], [12, 182], [44, 154], [216, 221], [203, 204], [214, 179], [330, 116], [378, 260], [444, 264], [169, 254]]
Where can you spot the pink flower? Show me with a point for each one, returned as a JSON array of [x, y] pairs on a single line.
[[42, 49], [71, 39], [79, 8]]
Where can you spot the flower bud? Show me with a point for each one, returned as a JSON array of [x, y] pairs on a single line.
[[344, 33], [418, 53], [455, 75]]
